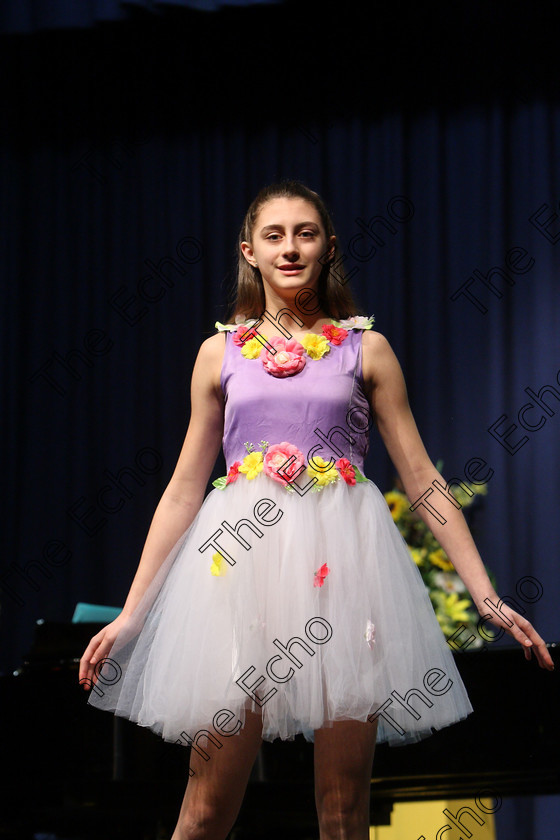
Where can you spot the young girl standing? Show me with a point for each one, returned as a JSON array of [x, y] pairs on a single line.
[[286, 601]]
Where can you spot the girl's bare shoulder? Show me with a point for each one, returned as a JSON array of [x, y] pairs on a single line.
[[208, 365], [379, 362], [213, 347], [375, 341]]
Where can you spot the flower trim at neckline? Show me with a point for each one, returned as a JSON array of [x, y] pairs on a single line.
[[355, 322], [283, 357]]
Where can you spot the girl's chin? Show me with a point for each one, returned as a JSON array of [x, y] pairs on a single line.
[[289, 285]]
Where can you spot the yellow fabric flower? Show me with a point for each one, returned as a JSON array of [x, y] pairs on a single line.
[[252, 349], [252, 464], [439, 558], [219, 566], [321, 473], [315, 345], [398, 503]]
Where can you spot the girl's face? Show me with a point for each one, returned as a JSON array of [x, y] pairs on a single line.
[[289, 246]]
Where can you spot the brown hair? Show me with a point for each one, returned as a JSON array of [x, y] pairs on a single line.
[[334, 296]]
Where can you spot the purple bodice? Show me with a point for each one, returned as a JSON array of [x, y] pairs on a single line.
[[322, 409]]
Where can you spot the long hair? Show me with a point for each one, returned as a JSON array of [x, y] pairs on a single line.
[[334, 296]]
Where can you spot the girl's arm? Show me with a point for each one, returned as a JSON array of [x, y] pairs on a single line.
[[182, 497], [386, 390]]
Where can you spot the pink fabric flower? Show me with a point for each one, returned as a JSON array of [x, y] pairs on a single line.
[[346, 470], [335, 335], [233, 472], [320, 575], [288, 359], [276, 458], [239, 338]]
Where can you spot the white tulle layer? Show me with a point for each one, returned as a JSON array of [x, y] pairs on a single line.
[[200, 644]]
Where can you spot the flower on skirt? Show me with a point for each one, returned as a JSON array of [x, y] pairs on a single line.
[[369, 635], [320, 575], [218, 567]]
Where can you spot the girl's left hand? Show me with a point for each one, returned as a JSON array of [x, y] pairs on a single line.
[[502, 616]]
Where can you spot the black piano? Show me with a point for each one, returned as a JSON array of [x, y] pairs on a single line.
[[78, 773]]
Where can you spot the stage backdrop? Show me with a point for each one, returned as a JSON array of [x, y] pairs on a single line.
[[128, 157]]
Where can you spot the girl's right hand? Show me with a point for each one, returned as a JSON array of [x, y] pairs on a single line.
[[98, 650]]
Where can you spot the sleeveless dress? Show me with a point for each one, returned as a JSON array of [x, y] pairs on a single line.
[[292, 593]]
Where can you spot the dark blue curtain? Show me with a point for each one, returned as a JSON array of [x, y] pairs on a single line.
[[128, 156], [25, 16]]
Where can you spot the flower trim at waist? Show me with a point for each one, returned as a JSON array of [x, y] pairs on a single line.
[[285, 463]]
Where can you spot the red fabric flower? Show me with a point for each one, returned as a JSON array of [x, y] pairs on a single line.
[[233, 472], [276, 457], [239, 337], [288, 359], [320, 575], [346, 470], [335, 335]]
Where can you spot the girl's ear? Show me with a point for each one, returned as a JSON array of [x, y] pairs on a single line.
[[247, 252]]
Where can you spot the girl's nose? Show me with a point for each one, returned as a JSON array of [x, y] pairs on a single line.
[[290, 250]]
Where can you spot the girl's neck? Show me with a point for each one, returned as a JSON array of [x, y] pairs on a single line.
[[295, 315], [288, 318]]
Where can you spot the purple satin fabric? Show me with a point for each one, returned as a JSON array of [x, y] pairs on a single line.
[[322, 409]]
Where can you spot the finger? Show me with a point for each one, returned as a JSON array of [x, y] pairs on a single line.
[[90, 675], [93, 645], [532, 643], [519, 632], [92, 655], [530, 631], [543, 657]]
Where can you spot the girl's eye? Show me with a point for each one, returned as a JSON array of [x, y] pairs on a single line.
[[306, 234]]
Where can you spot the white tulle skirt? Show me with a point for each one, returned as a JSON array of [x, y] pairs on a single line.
[[276, 632]]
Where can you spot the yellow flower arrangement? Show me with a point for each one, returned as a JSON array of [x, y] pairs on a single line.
[[397, 502], [452, 611], [418, 555], [451, 602], [315, 345], [439, 558]]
